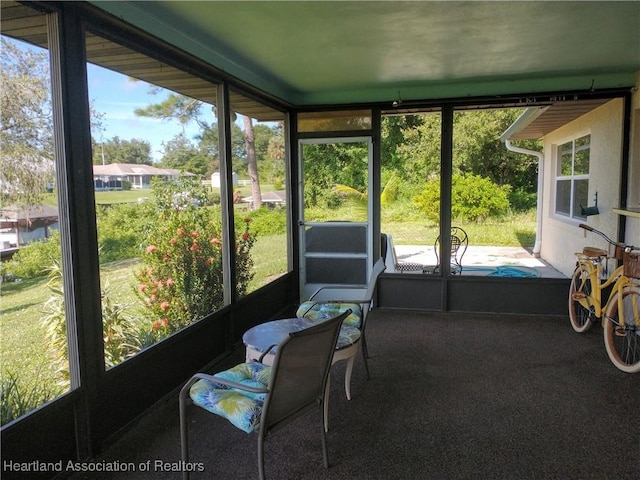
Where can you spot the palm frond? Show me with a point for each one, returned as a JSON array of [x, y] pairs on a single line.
[[346, 191], [390, 192]]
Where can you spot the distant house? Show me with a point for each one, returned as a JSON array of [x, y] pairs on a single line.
[[112, 176], [20, 226]]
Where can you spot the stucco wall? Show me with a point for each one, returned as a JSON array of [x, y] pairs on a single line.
[[561, 237]]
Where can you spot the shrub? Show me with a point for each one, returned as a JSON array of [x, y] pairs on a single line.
[[474, 198], [121, 229], [214, 198], [317, 196], [522, 201], [33, 259], [428, 201], [120, 335], [16, 399], [182, 279], [54, 320], [265, 221], [3, 272]]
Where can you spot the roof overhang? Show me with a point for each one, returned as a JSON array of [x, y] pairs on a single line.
[[536, 122], [14, 213]]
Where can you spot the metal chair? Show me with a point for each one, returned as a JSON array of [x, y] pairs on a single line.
[[459, 244], [257, 397], [331, 300], [391, 260]]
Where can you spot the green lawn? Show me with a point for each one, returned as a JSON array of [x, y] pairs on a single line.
[[518, 230], [123, 196], [22, 334], [107, 198], [23, 347], [21, 331], [133, 196]]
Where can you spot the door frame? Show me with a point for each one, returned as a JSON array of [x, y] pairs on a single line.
[[306, 289]]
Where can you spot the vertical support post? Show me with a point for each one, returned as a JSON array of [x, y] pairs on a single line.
[[291, 174], [226, 193], [70, 100], [446, 175], [376, 182], [625, 174]]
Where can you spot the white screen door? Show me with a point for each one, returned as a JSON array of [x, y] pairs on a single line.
[[335, 226]]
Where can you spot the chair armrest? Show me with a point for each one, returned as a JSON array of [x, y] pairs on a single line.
[[340, 294]]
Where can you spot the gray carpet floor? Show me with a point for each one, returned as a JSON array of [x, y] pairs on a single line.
[[451, 396]]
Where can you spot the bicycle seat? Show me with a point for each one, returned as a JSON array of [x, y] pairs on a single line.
[[594, 252]]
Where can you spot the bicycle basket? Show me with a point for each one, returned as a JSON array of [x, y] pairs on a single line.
[[631, 264], [618, 252]]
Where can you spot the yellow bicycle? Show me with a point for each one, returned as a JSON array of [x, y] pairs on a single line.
[[620, 314]]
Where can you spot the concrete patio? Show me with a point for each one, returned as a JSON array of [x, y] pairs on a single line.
[[484, 260]]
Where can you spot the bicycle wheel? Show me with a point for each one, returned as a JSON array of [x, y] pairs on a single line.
[[580, 289], [622, 330]]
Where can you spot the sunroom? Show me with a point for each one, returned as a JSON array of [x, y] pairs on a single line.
[[309, 90]]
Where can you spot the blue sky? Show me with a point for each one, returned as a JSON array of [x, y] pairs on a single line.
[[117, 97]]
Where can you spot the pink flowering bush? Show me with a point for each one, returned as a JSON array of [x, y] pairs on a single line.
[[181, 281]]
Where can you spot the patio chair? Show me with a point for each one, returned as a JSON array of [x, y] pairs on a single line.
[[459, 244], [334, 299], [257, 397], [395, 266]]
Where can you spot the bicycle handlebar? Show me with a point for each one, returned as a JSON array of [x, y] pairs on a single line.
[[598, 232]]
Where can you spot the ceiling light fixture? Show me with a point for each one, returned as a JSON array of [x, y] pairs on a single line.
[[397, 103]]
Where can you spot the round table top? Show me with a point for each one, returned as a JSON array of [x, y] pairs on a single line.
[[262, 336]]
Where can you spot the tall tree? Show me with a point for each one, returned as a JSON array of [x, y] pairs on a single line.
[[418, 156], [175, 106], [393, 131], [181, 154], [252, 164], [479, 151], [26, 124], [116, 150], [274, 169], [187, 109], [326, 165]]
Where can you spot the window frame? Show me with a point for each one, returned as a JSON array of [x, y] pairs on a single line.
[[573, 178]]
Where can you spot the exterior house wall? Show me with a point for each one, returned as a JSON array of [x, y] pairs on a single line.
[[561, 236], [19, 234]]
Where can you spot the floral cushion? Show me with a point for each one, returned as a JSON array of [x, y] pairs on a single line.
[[348, 336], [322, 311], [243, 409]]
